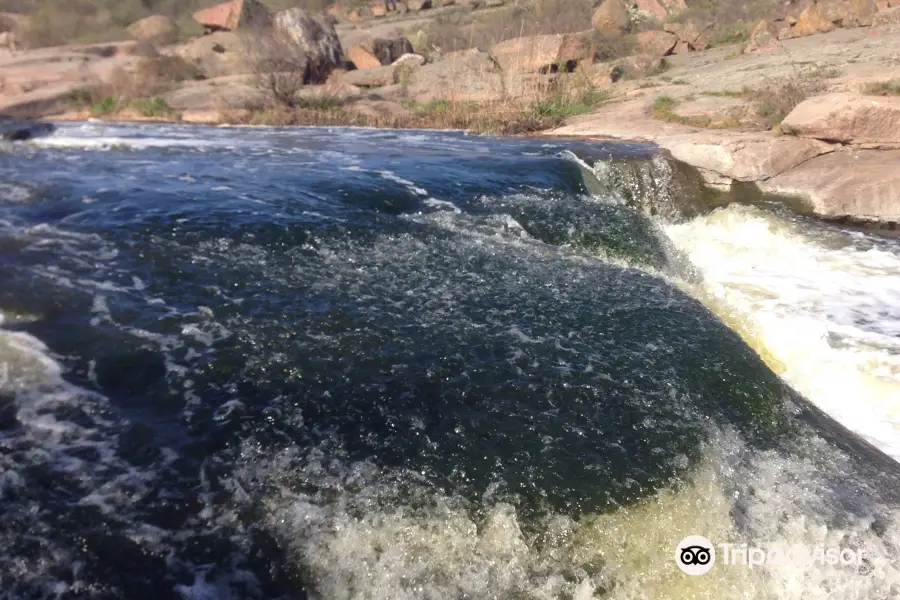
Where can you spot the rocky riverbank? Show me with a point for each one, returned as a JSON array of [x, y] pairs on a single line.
[[790, 112]]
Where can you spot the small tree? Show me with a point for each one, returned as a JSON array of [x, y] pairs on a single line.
[[280, 66]]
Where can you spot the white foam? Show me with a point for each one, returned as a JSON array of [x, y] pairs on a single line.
[[360, 540], [822, 308]]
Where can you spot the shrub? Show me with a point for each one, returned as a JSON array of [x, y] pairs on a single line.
[[281, 67], [107, 106], [778, 97], [153, 107], [890, 87]]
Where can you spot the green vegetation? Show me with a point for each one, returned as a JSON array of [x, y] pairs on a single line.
[[106, 106], [155, 107], [729, 33], [890, 87], [559, 106], [663, 109]]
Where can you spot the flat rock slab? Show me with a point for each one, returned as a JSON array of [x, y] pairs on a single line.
[[862, 185], [627, 120], [739, 156], [847, 118]]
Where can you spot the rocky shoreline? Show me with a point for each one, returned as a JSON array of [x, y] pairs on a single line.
[[833, 151]]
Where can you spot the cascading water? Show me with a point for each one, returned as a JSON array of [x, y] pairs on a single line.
[[355, 364]]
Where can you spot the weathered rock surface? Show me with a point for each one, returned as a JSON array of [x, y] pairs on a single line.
[[387, 50], [848, 13], [689, 34], [541, 53], [380, 109], [847, 118], [227, 16], [217, 54], [656, 43], [203, 100], [746, 157], [811, 21], [888, 17], [611, 18], [409, 60], [626, 120], [856, 184], [374, 77], [763, 38], [362, 58], [470, 76], [157, 29], [317, 39]]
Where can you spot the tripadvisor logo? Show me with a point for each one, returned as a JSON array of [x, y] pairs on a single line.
[[696, 555]]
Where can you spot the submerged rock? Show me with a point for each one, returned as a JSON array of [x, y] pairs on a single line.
[[17, 131]]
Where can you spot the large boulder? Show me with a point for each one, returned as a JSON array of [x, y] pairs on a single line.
[[611, 18], [541, 53], [847, 118], [229, 15], [217, 54], [156, 29], [316, 37], [362, 57], [763, 38], [726, 157], [848, 13], [811, 21], [656, 43], [858, 184], [460, 77], [389, 49], [689, 35]]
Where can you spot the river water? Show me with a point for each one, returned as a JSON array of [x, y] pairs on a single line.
[[262, 363]]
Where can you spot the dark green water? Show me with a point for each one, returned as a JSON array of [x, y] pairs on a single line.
[[255, 340]]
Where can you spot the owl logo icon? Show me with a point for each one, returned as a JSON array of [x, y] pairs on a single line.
[[695, 555]]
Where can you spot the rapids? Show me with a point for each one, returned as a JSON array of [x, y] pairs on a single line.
[[339, 363]]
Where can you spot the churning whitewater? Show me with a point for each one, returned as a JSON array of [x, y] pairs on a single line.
[[346, 363]]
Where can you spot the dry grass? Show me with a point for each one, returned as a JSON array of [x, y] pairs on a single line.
[[771, 102], [777, 97], [495, 118], [890, 87], [546, 108]]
